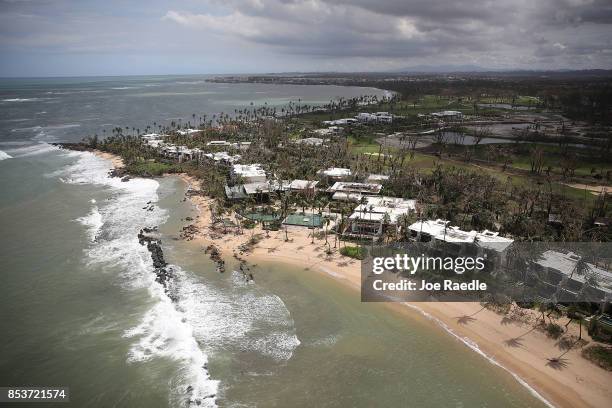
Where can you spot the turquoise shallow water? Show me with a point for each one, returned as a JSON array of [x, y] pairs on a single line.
[[79, 305]]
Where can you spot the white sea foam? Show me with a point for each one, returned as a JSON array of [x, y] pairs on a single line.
[[113, 226], [205, 319], [93, 221], [4, 156], [243, 317], [32, 150], [21, 99]]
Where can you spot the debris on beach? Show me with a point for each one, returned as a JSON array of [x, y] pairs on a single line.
[[215, 256], [189, 232]]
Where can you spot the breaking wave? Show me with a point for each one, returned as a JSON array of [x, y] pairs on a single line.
[[113, 226], [205, 319], [4, 156], [32, 150]]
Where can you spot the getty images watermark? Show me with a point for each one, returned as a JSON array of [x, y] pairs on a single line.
[[411, 265], [460, 272]]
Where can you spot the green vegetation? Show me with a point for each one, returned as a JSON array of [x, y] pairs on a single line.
[[355, 252], [600, 355], [553, 330], [148, 169]]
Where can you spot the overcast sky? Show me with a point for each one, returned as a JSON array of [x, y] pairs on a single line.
[[113, 37]]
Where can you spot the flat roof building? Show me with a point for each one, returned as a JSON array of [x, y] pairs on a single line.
[[249, 173], [336, 172], [348, 187]]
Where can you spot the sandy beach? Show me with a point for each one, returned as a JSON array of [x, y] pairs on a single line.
[[510, 343], [114, 159]]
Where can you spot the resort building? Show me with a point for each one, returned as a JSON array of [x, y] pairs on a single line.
[[377, 117], [235, 192], [372, 216], [349, 187], [223, 157], [233, 145], [249, 173], [354, 197], [303, 186], [555, 266], [441, 230], [336, 173]]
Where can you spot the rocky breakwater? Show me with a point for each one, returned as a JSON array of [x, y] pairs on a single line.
[[163, 274], [215, 256]]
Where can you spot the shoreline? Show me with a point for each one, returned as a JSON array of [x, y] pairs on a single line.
[[578, 384]]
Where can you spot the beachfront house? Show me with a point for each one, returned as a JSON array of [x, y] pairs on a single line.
[[223, 157], [440, 230], [374, 214], [248, 173], [303, 186], [560, 269], [359, 188]]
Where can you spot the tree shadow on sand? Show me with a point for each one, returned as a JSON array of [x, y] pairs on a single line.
[[466, 319], [515, 342], [518, 340], [558, 363]]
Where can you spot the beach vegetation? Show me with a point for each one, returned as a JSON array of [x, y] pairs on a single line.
[[553, 330], [355, 252], [600, 355]]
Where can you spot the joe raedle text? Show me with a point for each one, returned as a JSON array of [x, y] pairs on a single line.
[[446, 285], [412, 274]]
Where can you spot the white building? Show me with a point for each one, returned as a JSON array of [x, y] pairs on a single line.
[[370, 218], [377, 117], [249, 173], [303, 185], [563, 265], [184, 132], [377, 178], [341, 122], [448, 114], [348, 187], [223, 157], [234, 145], [336, 172], [442, 231]]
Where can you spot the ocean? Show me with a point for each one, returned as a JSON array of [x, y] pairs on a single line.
[[80, 307]]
